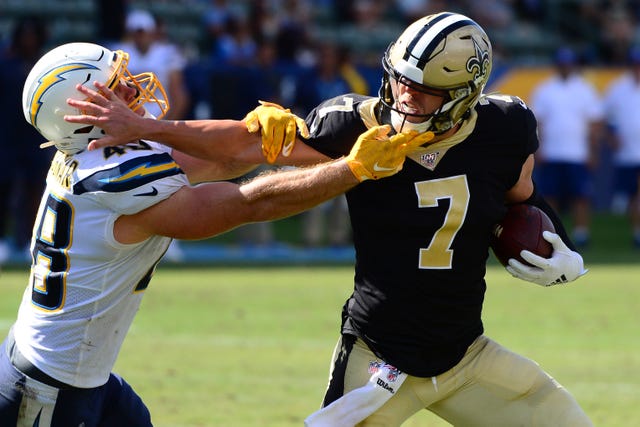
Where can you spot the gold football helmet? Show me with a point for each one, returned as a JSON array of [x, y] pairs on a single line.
[[54, 77], [446, 52]]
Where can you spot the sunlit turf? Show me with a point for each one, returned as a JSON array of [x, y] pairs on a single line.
[[251, 346]]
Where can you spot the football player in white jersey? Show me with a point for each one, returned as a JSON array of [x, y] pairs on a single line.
[[106, 219]]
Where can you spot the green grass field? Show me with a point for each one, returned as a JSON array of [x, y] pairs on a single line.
[[251, 346]]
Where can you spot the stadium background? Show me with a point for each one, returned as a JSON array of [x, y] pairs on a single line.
[[249, 346], [525, 33]]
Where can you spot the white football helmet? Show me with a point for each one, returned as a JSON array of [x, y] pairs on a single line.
[[52, 81], [446, 52]]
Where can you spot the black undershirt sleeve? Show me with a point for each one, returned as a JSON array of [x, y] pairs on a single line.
[[538, 201]]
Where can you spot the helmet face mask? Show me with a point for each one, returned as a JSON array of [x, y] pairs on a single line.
[[53, 80], [445, 53]]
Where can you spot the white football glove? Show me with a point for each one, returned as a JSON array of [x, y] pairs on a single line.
[[564, 265]]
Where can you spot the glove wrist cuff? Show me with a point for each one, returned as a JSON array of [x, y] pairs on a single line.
[[359, 171]]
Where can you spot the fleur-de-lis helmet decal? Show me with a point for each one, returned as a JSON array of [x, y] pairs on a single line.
[[446, 52]]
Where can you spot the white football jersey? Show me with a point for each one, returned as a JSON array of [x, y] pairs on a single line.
[[85, 287]]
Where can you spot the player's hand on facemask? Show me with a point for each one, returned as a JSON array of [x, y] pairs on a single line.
[[278, 127], [564, 265], [104, 109], [376, 155]]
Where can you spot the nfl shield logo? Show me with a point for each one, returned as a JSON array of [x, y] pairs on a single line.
[[374, 366], [429, 160], [393, 373]]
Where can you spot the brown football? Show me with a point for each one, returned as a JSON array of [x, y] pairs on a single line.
[[520, 229]]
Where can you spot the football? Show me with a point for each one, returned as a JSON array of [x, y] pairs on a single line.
[[520, 229]]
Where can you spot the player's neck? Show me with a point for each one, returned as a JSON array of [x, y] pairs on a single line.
[[446, 134]]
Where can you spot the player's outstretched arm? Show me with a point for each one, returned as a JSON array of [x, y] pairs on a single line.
[[210, 209], [199, 138], [205, 139]]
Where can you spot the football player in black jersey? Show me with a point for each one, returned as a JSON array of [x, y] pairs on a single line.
[[412, 333]]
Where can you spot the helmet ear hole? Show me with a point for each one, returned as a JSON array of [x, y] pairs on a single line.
[[83, 130]]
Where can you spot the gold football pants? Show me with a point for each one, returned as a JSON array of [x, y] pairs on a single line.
[[491, 386]]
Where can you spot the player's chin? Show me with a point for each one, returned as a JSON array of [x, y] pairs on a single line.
[[411, 112]]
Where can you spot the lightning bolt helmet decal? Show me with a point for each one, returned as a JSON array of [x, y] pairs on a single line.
[[47, 81]]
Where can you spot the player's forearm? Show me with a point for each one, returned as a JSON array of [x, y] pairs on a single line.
[[210, 209], [277, 195], [205, 139]]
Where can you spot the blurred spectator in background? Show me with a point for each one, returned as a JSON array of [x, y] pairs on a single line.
[[150, 53], [368, 29], [292, 37], [622, 105], [24, 170], [531, 11], [604, 29], [235, 46], [412, 10], [334, 74], [214, 21], [270, 79], [617, 33], [578, 22], [110, 26], [569, 114], [492, 15]]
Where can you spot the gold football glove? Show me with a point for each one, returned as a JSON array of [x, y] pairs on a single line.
[[278, 127], [375, 155]]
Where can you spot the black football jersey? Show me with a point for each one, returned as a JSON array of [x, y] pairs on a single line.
[[422, 235]]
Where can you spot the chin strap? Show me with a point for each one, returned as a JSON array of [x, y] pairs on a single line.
[[47, 144], [400, 123]]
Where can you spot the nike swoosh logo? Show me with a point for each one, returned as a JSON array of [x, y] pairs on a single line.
[[153, 192], [379, 168]]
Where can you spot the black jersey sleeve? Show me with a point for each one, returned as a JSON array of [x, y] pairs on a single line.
[[519, 121], [335, 125], [507, 128], [530, 129]]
